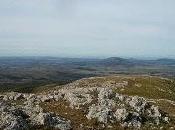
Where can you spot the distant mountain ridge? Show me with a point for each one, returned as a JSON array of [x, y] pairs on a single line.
[[115, 61], [111, 61], [30, 72], [130, 62]]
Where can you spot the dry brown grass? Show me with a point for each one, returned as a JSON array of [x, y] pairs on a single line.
[[77, 117]]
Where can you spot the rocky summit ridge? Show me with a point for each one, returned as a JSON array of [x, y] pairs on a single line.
[[99, 102]]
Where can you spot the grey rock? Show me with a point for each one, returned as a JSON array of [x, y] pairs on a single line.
[[12, 118], [137, 103], [50, 120], [133, 120], [19, 96], [101, 113], [121, 114]]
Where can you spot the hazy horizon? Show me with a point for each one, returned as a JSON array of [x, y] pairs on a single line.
[[93, 28]]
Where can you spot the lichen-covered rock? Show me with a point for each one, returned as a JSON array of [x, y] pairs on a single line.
[[133, 120], [12, 118], [50, 120], [19, 96], [10, 121], [101, 113], [77, 99], [103, 109], [29, 116], [121, 114], [13, 96], [129, 111], [105, 93], [137, 103], [46, 98], [58, 96], [154, 114]]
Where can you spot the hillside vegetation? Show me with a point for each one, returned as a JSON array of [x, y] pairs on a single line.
[[98, 103], [25, 74]]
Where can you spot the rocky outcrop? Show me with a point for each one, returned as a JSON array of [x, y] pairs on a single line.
[[12, 118], [77, 99], [29, 116], [50, 120], [101, 103], [129, 111]]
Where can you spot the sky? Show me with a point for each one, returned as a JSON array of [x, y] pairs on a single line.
[[87, 28]]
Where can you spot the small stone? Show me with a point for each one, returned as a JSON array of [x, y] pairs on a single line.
[[121, 114]]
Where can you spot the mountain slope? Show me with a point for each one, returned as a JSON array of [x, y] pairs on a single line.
[[112, 102]]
